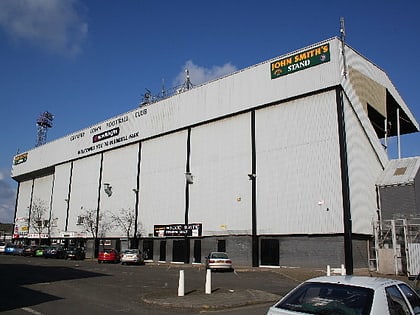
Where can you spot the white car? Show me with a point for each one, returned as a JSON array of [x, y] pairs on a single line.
[[349, 295], [131, 256], [2, 247], [218, 261]]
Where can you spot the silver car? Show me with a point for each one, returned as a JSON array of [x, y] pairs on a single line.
[[131, 256], [345, 295], [218, 261]]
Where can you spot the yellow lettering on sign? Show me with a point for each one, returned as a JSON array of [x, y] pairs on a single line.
[[281, 63], [311, 53]]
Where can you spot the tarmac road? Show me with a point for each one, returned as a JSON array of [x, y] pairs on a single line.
[[49, 286]]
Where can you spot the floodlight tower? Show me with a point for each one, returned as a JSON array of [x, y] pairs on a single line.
[[44, 122]]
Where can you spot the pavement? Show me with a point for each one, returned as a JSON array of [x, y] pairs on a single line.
[[219, 298], [224, 298]]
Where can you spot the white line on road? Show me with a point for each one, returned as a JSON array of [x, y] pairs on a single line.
[[30, 310]]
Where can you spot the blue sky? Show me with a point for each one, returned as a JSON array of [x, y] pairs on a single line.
[[86, 61]]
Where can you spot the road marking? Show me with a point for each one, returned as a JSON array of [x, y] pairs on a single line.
[[30, 310]]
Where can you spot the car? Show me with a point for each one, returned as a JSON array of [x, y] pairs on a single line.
[[54, 252], [40, 250], [341, 295], [29, 250], [218, 261], [18, 251], [131, 256], [76, 253], [109, 255], [9, 249], [2, 247]]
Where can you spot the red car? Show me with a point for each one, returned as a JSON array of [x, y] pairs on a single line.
[[109, 255]]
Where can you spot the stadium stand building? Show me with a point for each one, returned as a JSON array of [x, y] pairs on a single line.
[[278, 164]]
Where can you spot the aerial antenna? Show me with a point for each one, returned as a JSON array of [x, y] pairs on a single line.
[[163, 88], [187, 83], [147, 97], [44, 122], [343, 44]]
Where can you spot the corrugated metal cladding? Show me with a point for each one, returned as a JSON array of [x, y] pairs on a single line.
[[220, 197], [364, 167], [400, 172], [276, 159], [60, 200], [299, 183], [399, 189], [238, 92], [162, 181], [84, 190]]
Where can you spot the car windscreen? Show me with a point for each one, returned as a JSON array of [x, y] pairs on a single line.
[[329, 299], [219, 255], [130, 251]]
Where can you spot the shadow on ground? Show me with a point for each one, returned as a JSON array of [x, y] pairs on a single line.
[[14, 278]]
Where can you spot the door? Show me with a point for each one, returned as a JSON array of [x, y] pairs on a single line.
[[162, 251], [180, 251], [148, 249], [197, 251], [221, 245], [270, 253]]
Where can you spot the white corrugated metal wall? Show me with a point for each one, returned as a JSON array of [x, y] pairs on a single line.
[[84, 190], [220, 163], [60, 198], [298, 167], [41, 197], [23, 206], [162, 181], [119, 170], [364, 168]]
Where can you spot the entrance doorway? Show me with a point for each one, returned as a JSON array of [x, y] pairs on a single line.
[[270, 253], [162, 251], [180, 251], [221, 245], [148, 249], [197, 251]]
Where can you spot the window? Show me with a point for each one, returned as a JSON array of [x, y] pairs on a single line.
[[396, 302], [400, 171], [412, 297], [329, 298]]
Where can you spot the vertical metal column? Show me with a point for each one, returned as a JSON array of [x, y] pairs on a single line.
[[345, 184], [187, 198], [253, 178], [136, 191], [394, 246]]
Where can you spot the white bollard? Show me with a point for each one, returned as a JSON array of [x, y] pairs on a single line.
[[181, 289], [208, 281], [343, 270], [328, 270]]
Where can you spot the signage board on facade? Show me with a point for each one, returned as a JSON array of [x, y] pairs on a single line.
[[194, 229], [300, 61], [21, 158]]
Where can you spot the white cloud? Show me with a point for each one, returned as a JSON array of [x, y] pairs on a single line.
[[58, 26], [199, 75]]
